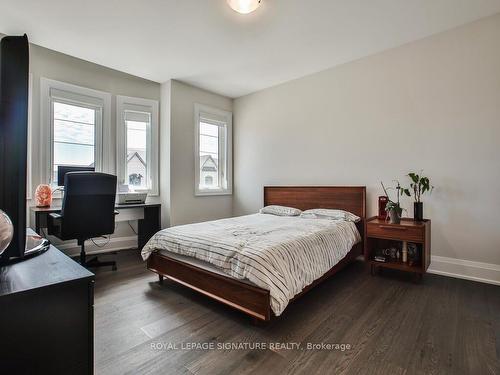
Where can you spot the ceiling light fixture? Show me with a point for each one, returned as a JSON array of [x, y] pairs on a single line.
[[244, 6]]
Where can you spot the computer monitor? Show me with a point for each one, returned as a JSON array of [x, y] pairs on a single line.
[[63, 169]]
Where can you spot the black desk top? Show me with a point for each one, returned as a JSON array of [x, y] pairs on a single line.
[[57, 208], [50, 268]]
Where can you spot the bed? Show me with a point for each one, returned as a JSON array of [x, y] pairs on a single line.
[[260, 263]]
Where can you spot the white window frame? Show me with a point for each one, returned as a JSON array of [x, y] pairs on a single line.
[[50, 91], [124, 103], [227, 118]]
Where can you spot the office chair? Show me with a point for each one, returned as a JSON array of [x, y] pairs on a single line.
[[88, 211]]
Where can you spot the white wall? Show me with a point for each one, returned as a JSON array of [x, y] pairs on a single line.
[[165, 150], [54, 65], [185, 207], [432, 104]]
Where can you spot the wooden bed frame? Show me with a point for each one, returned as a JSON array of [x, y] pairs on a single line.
[[252, 300]]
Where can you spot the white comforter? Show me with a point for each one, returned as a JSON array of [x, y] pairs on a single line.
[[279, 254]]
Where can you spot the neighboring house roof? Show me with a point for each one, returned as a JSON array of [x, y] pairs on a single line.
[[208, 164], [135, 154]]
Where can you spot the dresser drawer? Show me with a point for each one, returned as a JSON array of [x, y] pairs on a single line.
[[396, 232]]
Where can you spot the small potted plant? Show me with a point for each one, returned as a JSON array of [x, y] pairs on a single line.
[[393, 208], [419, 185]]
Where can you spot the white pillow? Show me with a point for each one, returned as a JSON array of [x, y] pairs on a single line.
[[280, 211], [324, 213]]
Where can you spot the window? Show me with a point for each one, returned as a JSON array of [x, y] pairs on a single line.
[[73, 118], [213, 151], [74, 129], [137, 143]]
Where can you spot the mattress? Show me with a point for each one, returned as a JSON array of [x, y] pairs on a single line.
[[281, 254], [200, 264]]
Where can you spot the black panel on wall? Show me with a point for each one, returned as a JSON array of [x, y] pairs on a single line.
[[14, 76]]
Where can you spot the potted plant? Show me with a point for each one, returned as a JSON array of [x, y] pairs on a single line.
[[393, 208], [419, 185]]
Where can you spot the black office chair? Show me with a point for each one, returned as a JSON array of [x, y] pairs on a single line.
[[88, 211]]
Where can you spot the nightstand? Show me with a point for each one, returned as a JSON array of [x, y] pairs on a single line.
[[380, 235]]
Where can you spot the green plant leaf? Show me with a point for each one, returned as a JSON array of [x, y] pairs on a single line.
[[414, 177]]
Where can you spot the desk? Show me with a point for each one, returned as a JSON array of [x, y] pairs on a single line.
[[147, 227], [47, 316]]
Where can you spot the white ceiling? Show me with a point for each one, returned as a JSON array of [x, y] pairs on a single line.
[[206, 44]]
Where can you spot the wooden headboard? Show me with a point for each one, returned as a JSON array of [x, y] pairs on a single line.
[[348, 198]]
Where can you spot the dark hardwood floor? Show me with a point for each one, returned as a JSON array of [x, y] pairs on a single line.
[[394, 326]]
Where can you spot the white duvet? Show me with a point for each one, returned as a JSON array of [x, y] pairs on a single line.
[[279, 254]]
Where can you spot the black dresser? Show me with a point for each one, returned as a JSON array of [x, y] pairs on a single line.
[[46, 316]]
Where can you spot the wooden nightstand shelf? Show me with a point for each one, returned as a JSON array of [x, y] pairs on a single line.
[[381, 235]]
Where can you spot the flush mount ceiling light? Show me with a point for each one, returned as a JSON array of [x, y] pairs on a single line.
[[244, 6]]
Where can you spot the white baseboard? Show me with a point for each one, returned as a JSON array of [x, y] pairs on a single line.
[[465, 269], [71, 248]]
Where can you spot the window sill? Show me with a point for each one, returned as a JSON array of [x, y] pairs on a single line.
[[210, 193]]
